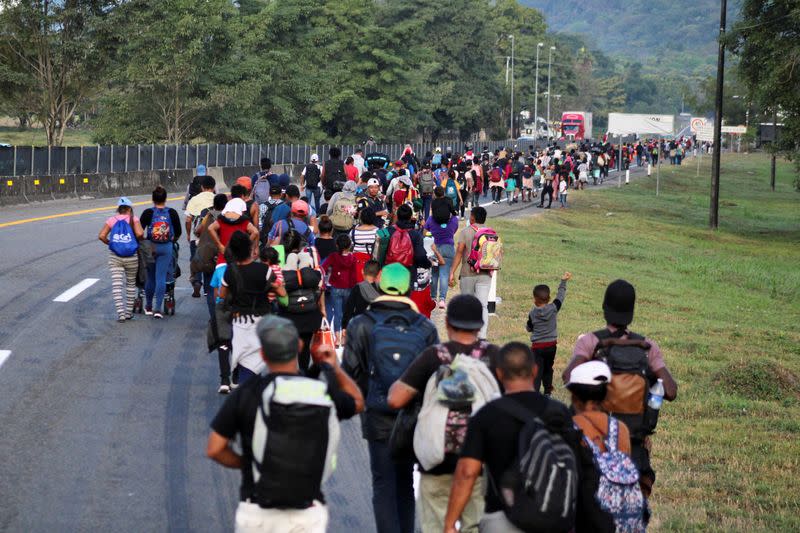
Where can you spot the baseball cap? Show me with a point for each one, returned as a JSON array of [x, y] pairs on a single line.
[[278, 337], [399, 163], [314, 158], [299, 207], [465, 312], [245, 181], [395, 279], [373, 181], [275, 190], [124, 200], [618, 302], [236, 205], [590, 373], [201, 170]]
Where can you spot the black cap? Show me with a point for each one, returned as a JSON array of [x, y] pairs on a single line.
[[278, 338], [465, 312], [618, 303], [275, 190]]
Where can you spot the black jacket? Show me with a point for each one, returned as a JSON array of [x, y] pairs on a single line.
[[358, 301], [357, 349]]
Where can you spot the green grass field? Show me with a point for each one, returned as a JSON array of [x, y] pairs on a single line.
[[724, 306], [37, 137]]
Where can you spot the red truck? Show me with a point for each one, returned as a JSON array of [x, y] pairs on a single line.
[[576, 125]]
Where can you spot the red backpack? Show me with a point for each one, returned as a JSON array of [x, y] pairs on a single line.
[[401, 249]]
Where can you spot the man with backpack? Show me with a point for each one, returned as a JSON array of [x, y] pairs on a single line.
[[540, 478], [264, 177], [288, 424], [342, 209], [426, 182], [380, 346], [197, 204], [310, 179], [441, 425], [473, 279], [333, 170], [265, 217], [297, 222], [637, 364]]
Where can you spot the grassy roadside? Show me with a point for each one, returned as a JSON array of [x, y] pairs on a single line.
[[724, 306]]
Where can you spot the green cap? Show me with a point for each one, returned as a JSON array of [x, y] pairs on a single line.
[[395, 279]]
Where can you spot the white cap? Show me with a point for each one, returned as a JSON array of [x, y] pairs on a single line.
[[590, 373], [236, 205], [314, 157], [373, 181]]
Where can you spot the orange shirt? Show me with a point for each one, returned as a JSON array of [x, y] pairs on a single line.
[[594, 425]]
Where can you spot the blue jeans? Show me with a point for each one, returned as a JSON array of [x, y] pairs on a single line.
[[329, 311], [314, 195], [392, 490], [157, 274], [439, 283], [339, 297], [427, 200]]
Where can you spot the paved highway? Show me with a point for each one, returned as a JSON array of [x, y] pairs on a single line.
[[104, 425]]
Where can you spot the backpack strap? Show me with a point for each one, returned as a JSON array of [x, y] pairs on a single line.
[[589, 443], [445, 357], [612, 439], [517, 411]]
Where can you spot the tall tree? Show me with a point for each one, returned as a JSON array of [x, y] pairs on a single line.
[[50, 45], [767, 41]]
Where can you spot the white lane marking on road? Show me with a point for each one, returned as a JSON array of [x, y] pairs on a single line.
[[69, 294], [4, 354]]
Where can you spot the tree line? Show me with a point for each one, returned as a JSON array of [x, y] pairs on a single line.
[[178, 71]]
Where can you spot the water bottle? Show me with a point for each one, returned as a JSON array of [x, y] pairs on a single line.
[[656, 396]]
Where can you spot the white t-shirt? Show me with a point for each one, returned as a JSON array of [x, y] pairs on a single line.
[[562, 187]]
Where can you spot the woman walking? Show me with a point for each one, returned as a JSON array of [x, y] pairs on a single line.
[[163, 229], [121, 233]]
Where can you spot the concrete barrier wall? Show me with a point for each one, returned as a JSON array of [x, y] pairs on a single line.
[[25, 189]]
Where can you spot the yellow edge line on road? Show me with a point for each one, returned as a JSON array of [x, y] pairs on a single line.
[[75, 213]]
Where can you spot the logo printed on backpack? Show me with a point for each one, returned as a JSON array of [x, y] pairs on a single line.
[[121, 240]]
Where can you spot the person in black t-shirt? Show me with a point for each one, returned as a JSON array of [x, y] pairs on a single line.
[[246, 285], [279, 342], [492, 440], [464, 321]]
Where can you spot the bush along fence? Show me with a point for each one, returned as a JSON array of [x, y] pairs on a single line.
[[32, 173]]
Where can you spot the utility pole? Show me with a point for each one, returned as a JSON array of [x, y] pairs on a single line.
[[536, 95], [549, 64], [713, 216], [512, 86], [774, 143]]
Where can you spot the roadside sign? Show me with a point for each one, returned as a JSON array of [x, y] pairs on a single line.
[[697, 123], [739, 130], [705, 133]]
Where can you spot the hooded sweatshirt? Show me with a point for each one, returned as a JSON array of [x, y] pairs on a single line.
[[543, 322]]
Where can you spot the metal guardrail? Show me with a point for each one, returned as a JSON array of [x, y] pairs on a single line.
[[58, 160]]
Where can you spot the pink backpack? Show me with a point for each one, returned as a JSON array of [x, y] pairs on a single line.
[[486, 252]]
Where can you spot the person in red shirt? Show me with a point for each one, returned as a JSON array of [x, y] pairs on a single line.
[[340, 268], [351, 170], [232, 219]]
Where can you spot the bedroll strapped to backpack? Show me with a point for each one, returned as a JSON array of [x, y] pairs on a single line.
[[618, 493], [462, 385], [627, 392], [302, 289], [288, 466]]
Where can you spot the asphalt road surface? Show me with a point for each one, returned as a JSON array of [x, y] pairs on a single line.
[[104, 425]]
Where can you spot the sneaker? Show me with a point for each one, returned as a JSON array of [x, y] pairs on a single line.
[[121, 318], [196, 293], [441, 304], [157, 314], [148, 311], [224, 389], [129, 316]]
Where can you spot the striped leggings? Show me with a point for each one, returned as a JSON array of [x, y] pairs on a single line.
[[123, 282]]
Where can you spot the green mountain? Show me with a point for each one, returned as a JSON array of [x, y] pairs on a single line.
[[674, 35]]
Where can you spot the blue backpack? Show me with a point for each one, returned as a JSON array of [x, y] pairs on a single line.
[[437, 159], [398, 337], [122, 241]]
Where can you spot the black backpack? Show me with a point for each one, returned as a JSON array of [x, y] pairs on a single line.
[[312, 176], [302, 289], [291, 235], [265, 221], [627, 393], [540, 491], [334, 173]]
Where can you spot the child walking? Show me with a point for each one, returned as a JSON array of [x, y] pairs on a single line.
[[543, 326], [511, 189], [562, 193]]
